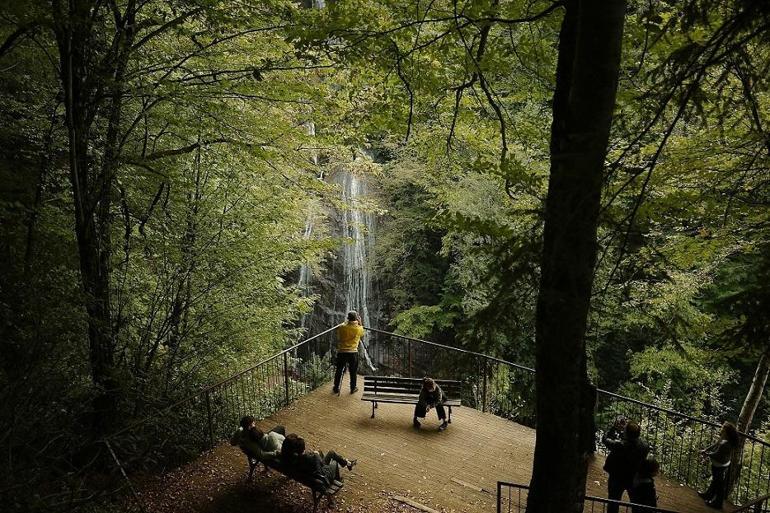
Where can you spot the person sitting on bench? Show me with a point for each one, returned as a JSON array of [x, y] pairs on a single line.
[[312, 463], [431, 396], [265, 447]]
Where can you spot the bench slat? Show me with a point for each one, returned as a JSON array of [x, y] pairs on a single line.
[[413, 390], [386, 386], [404, 400], [308, 481], [409, 384], [398, 390], [406, 380]]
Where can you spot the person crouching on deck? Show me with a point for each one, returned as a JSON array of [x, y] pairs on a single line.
[[431, 396], [348, 336]]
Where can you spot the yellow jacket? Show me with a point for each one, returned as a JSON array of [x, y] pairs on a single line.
[[348, 337]]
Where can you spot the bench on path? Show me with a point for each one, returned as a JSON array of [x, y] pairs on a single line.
[[393, 389], [317, 486]]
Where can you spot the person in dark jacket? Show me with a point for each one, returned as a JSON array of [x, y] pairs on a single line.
[[314, 464], [431, 396], [720, 454], [643, 488], [626, 454]]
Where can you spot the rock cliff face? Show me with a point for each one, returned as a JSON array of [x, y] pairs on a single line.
[[345, 283]]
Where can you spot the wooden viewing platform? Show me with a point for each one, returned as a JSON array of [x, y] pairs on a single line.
[[453, 471]]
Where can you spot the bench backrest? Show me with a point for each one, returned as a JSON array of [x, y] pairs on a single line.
[[315, 483], [398, 385]]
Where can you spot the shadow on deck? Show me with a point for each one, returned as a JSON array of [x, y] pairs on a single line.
[[453, 471]]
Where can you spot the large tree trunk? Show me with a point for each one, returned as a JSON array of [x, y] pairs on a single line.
[[746, 417], [73, 34], [754, 395], [91, 183], [586, 85]]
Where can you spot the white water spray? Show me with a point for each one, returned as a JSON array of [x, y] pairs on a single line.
[[357, 225]]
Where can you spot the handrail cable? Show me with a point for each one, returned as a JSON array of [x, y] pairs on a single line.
[[602, 500], [753, 505], [225, 381], [599, 390], [209, 388]]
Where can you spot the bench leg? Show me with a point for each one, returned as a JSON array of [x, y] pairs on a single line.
[[450, 415], [316, 499], [374, 405]]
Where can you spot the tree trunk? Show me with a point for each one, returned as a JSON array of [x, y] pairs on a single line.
[[92, 185], [746, 417], [46, 158], [181, 305], [586, 86]]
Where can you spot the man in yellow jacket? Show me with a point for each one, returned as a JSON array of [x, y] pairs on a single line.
[[348, 336]]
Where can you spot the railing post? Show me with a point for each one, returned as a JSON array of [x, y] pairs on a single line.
[[499, 497], [286, 376], [484, 389], [409, 353], [137, 499], [211, 422]]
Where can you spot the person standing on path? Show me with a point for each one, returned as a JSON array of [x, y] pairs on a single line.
[[719, 455], [643, 489], [348, 336], [626, 454]]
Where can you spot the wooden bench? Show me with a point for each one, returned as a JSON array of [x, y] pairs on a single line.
[[317, 486], [393, 389]]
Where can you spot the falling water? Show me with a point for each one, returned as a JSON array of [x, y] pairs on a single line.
[[348, 281], [357, 255], [305, 274]]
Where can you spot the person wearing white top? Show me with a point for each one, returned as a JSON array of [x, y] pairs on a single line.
[[719, 454]]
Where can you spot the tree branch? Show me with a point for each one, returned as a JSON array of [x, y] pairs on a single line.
[[16, 36], [166, 26]]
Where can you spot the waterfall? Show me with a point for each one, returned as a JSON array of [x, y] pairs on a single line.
[[357, 254], [348, 283], [305, 274]]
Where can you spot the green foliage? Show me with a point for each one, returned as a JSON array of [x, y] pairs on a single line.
[[684, 378], [316, 370], [211, 190], [216, 174]]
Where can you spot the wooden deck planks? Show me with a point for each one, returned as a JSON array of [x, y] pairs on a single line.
[[454, 471], [477, 448]]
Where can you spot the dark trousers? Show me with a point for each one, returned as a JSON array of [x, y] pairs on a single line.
[[279, 429], [332, 464], [351, 360], [718, 487], [615, 488], [420, 410]]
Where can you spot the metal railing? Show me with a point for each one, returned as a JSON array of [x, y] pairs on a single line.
[[761, 505], [512, 498], [181, 431], [491, 385], [508, 390]]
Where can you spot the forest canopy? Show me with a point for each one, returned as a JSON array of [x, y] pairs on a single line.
[[165, 186]]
